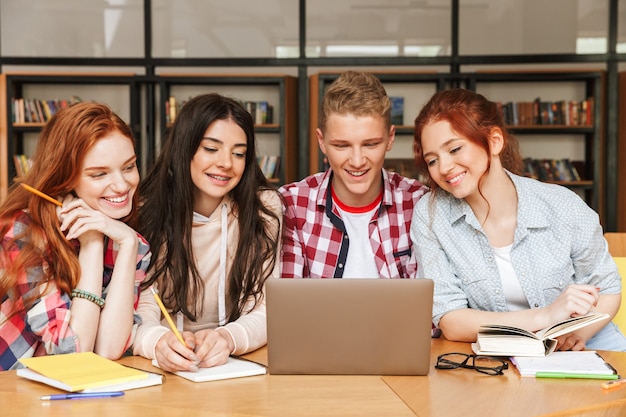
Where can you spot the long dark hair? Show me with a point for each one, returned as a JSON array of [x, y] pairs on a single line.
[[166, 213], [473, 117]]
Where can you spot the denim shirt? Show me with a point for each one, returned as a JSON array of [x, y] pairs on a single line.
[[558, 241]]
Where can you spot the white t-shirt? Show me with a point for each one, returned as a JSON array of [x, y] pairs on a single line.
[[513, 292], [360, 261]]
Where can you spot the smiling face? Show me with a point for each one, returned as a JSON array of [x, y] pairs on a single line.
[[218, 164], [355, 148], [455, 163], [109, 176]]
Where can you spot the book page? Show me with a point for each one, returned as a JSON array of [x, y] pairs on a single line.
[[233, 368], [571, 325], [499, 329]]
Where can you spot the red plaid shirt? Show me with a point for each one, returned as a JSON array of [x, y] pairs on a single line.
[[45, 327], [315, 242]]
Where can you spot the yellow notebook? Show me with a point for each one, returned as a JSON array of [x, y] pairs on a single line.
[[85, 372]]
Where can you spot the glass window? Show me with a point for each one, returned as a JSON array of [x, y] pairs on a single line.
[[377, 28], [221, 29], [492, 27], [72, 28], [621, 27]]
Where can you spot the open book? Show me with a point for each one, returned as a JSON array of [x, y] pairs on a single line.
[[500, 340], [233, 368], [85, 372]]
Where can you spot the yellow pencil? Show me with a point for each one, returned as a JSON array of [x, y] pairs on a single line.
[[167, 316], [42, 195]]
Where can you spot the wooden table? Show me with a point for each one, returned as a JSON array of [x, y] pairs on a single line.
[[267, 395], [465, 392], [449, 393]]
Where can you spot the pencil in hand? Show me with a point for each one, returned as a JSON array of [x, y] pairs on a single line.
[[168, 317], [42, 195]]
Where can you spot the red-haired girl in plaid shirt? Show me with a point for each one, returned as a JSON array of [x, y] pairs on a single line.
[[69, 275], [353, 220]]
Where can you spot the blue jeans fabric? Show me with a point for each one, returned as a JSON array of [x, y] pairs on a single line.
[[607, 338]]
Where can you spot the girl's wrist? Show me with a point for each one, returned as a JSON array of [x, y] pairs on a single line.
[[228, 337]]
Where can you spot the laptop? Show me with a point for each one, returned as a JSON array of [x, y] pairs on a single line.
[[349, 326]]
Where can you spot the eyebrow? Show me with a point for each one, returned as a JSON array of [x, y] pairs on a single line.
[[96, 168], [245, 145], [339, 140], [443, 145]]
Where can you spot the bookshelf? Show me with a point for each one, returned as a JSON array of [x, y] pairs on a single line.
[[580, 142], [275, 138], [415, 87], [19, 136]]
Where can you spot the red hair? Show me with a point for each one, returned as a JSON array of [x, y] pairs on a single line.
[[57, 166], [473, 117]]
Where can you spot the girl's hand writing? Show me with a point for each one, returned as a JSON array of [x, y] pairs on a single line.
[[213, 347], [173, 356]]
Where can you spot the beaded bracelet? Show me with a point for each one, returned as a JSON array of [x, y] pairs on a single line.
[[77, 292]]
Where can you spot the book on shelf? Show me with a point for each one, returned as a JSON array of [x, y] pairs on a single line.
[[397, 110], [262, 111], [542, 112], [270, 165], [171, 110], [38, 111], [233, 368], [22, 164], [561, 170], [565, 364], [260, 116], [85, 372], [501, 340]]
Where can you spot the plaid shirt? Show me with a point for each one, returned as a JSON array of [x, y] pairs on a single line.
[[315, 242], [45, 327]]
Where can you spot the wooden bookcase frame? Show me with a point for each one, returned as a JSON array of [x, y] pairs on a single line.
[[593, 134], [285, 119], [11, 86]]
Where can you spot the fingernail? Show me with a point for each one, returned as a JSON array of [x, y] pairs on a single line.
[[193, 368], [194, 358]]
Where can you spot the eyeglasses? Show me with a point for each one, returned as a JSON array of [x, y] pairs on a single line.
[[484, 364]]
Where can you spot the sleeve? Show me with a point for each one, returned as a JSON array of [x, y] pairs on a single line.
[[593, 264], [249, 332], [143, 261], [49, 319], [433, 263], [292, 260], [150, 330]]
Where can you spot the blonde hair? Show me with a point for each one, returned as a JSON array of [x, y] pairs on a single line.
[[357, 93]]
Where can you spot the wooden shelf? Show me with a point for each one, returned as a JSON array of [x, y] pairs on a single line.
[[15, 85], [242, 86]]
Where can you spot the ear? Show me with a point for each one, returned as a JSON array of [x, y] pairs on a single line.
[[496, 141], [320, 140], [392, 137]]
